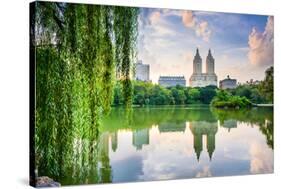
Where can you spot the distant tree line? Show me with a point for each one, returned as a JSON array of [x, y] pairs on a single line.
[[145, 93]]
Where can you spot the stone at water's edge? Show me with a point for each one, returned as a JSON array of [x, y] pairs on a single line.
[[45, 181]]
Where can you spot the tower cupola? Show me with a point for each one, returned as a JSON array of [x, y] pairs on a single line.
[[197, 63]]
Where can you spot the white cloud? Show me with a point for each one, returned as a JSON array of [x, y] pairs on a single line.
[[188, 19], [202, 30], [159, 25], [261, 160], [154, 17], [200, 27], [261, 45], [205, 172]]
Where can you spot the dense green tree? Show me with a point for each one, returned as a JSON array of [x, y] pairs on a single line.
[[243, 90], [79, 50], [256, 97], [224, 99], [207, 94], [146, 93], [178, 95], [194, 95], [266, 86], [160, 96], [257, 93], [118, 97]]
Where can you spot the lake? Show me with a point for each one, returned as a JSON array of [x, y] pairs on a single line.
[[170, 142]]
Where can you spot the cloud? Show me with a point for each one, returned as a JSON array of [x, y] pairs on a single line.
[[205, 172], [159, 25], [261, 160], [200, 27], [154, 17], [203, 31], [188, 19], [261, 45]]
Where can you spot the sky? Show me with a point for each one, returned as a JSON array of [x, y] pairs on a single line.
[[241, 44]]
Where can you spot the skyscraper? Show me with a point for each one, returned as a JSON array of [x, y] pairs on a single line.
[[210, 63], [199, 79], [142, 71]]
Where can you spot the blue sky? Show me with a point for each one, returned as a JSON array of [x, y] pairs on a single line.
[[241, 44]]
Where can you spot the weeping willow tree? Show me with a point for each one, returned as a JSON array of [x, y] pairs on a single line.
[[126, 34], [81, 50]]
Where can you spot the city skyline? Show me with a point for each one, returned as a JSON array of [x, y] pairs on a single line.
[[168, 40]]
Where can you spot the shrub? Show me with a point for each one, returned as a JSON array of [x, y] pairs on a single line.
[[223, 99]]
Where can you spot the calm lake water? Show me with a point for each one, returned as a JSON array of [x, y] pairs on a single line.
[[160, 143]]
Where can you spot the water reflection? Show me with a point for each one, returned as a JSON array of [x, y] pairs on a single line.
[[199, 129], [140, 138], [229, 124], [164, 143], [114, 141]]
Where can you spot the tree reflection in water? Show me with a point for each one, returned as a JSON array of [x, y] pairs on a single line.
[[76, 160], [72, 157], [174, 118], [263, 117]]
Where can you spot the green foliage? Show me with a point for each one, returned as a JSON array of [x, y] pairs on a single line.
[[194, 95], [224, 99], [261, 93], [146, 93], [250, 92], [267, 85], [125, 28], [118, 97], [207, 94], [261, 116], [79, 49], [178, 95], [145, 117]]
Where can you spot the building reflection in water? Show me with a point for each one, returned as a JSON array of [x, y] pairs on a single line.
[[172, 127], [140, 138], [229, 124], [200, 128], [114, 141]]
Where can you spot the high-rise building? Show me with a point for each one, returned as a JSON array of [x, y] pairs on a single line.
[[199, 79], [210, 63], [197, 63], [142, 71]]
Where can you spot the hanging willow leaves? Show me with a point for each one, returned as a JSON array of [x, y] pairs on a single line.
[[107, 59], [81, 51]]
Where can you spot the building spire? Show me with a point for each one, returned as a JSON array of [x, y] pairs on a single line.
[[209, 53], [210, 155], [197, 55], [198, 155]]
